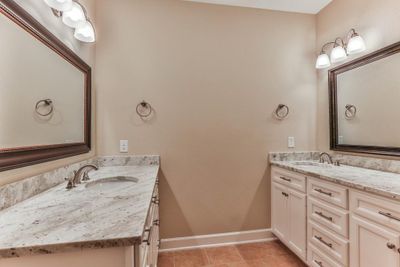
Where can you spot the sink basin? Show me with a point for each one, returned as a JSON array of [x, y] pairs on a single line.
[[313, 164], [112, 182]]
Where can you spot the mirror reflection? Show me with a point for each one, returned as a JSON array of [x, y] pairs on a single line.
[[41, 96], [368, 104]]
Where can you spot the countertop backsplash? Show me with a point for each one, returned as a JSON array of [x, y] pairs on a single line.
[[14, 193]]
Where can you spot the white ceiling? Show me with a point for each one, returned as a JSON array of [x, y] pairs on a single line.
[[301, 6]]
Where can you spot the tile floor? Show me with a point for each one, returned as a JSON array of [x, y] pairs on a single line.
[[268, 254]]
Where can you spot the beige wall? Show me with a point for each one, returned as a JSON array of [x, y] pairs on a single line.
[[214, 74], [44, 15], [374, 20]]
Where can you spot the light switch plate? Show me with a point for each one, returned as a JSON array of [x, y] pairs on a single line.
[[123, 146], [291, 142]]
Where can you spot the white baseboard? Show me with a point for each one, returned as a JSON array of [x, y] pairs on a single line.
[[216, 240]]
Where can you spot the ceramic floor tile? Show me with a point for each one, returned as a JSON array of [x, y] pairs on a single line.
[[268, 254], [223, 255], [190, 258]]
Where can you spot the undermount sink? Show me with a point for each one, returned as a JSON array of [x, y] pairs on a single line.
[[112, 181], [313, 164]]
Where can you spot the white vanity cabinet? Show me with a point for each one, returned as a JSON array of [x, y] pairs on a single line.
[[374, 231], [333, 225], [289, 210]]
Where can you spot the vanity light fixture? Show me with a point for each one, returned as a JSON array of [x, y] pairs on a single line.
[[59, 5], [340, 51], [73, 14]]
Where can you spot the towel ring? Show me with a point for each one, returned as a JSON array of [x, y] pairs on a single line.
[[144, 109], [350, 112], [282, 111], [47, 103]]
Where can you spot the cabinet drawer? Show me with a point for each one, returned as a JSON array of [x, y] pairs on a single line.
[[290, 179], [316, 258], [383, 211], [331, 244], [332, 217], [328, 192]]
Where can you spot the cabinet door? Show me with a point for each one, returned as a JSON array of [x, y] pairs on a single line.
[[280, 212], [373, 245], [297, 222]]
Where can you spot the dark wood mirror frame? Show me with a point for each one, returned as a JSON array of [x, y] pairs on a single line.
[[333, 109], [21, 157]]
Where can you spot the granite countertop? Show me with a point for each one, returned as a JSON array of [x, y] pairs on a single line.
[[378, 182], [97, 217]]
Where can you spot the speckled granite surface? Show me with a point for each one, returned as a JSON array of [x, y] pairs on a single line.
[[94, 217], [14, 193], [377, 182]]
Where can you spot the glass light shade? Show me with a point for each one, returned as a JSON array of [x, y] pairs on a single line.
[[60, 5], [338, 54], [356, 45], [85, 32], [74, 16], [323, 61]]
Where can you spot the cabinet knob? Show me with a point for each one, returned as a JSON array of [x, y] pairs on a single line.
[[391, 246]]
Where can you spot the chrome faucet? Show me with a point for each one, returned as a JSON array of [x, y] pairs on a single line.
[[81, 172], [325, 157]]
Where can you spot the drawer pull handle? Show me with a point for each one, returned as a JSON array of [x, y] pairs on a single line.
[[389, 215], [324, 216], [323, 192], [147, 240], [286, 179], [285, 194], [391, 246], [156, 222], [319, 263], [320, 239]]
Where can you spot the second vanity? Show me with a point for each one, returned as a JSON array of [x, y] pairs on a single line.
[[333, 216], [110, 220]]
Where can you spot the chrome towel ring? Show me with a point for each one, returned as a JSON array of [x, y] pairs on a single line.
[[144, 109], [281, 112], [44, 103], [350, 112]]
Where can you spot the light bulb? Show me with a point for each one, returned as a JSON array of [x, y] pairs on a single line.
[[85, 32], [356, 45], [338, 54], [323, 61], [74, 16], [60, 5]]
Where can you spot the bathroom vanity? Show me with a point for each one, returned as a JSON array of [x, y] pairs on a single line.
[[110, 220], [336, 215]]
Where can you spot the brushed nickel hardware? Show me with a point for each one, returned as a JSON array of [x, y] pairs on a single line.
[[391, 245], [350, 111], [325, 157], [144, 109], [389, 215], [147, 240], [323, 192], [281, 112], [319, 263], [320, 239], [285, 194], [76, 178], [324, 216], [286, 179], [46, 103]]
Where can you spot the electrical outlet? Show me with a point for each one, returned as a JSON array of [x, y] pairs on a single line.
[[123, 146], [291, 142]]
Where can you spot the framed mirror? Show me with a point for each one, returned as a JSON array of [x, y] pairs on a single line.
[[364, 104], [45, 93]]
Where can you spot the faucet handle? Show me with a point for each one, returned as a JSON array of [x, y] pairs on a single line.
[[85, 176]]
